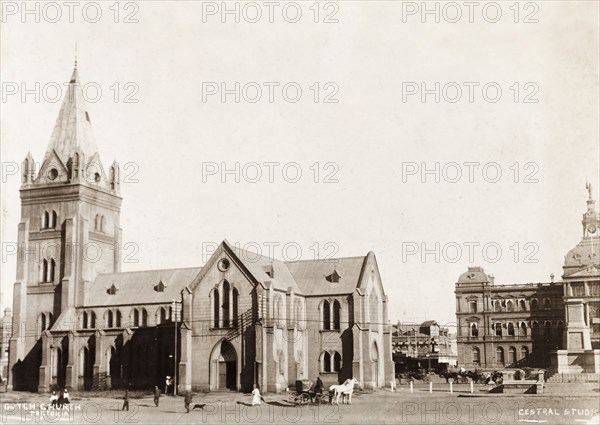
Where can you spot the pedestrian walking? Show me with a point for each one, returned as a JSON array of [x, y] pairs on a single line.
[[156, 395], [256, 397], [126, 401], [53, 399], [187, 401]]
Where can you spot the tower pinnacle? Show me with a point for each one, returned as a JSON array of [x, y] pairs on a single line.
[[73, 129]]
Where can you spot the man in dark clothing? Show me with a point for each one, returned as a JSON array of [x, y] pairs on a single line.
[[126, 401], [317, 389], [187, 400], [156, 395]]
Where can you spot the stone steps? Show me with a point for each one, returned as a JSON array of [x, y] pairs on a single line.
[[571, 388], [574, 377]]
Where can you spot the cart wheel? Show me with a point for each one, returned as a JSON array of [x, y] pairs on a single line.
[[304, 398]]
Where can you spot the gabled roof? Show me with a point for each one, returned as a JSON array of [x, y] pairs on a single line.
[[73, 128], [406, 328], [311, 275], [139, 287], [265, 269]]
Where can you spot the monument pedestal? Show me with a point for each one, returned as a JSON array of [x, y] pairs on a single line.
[[576, 361]]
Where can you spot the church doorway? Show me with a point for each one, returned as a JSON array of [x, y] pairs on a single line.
[[223, 367]]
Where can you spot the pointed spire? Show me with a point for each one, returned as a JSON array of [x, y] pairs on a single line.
[[73, 129], [28, 170]]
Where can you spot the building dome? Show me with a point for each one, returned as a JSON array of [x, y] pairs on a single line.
[[585, 254], [474, 275], [587, 251]]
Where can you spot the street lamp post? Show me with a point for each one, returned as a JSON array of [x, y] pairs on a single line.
[[175, 320]]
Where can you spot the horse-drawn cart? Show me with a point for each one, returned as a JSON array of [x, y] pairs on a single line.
[[304, 394]]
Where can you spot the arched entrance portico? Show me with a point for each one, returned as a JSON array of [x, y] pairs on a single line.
[[223, 367]]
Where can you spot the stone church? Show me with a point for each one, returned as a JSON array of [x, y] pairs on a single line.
[[240, 319]]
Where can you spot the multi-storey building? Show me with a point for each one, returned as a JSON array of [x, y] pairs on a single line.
[[529, 324], [427, 345], [238, 320], [506, 325]]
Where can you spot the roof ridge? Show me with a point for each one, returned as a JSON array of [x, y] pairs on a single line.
[[150, 270], [325, 260]]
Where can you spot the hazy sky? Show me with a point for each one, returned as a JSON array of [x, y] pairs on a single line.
[[545, 123]]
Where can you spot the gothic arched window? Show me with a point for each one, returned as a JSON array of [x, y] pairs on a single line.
[[325, 362], [226, 311], [337, 362], [234, 308], [216, 308], [109, 321], [336, 315], [326, 316], [51, 270], [136, 318]]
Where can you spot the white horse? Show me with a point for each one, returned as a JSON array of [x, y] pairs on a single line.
[[344, 390]]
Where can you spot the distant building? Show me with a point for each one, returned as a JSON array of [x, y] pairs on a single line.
[[5, 333], [425, 345], [530, 324]]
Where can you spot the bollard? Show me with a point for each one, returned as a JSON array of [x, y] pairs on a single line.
[[411, 387], [430, 387], [471, 387], [450, 387], [392, 385]]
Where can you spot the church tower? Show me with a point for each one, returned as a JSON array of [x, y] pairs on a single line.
[[69, 232]]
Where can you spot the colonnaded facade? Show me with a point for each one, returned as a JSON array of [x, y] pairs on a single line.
[[240, 319]]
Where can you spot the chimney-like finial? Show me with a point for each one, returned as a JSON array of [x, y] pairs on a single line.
[[552, 277]]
